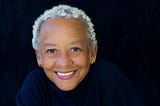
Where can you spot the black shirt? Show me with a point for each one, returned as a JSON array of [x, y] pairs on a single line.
[[104, 85]]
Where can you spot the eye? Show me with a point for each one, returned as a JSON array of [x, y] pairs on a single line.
[[51, 51], [75, 49]]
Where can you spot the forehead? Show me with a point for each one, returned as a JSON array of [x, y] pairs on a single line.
[[71, 24], [59, 28]]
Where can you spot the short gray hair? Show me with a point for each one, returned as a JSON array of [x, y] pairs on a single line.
[[66, 12]]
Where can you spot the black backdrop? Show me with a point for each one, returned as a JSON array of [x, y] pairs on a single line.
[[128, 33]]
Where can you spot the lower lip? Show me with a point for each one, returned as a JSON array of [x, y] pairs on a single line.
[[66, 77]]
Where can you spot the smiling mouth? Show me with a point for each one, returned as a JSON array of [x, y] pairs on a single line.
[[65, 75]]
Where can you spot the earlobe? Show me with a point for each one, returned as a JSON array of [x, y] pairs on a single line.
[[93, 54], [38, 56]]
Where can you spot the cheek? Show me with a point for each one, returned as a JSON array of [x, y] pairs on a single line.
[[48, 62], [82, 60]]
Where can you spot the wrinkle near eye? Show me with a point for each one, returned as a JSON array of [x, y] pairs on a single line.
[[51, 53], [75, 51]]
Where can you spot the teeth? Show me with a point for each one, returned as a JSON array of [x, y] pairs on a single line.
[[65, 74]]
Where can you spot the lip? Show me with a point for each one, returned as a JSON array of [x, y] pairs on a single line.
[[65, 75]]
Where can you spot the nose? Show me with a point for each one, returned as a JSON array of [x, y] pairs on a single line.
[[64, 60]]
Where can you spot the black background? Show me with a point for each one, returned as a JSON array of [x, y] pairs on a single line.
[[128, 33]]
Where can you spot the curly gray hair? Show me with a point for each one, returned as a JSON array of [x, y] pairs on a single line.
[[66, 12]]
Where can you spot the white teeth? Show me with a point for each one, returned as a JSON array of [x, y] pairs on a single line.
[[64, 74]]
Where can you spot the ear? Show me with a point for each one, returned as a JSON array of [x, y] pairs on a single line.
[[93, 53], [39, 57]]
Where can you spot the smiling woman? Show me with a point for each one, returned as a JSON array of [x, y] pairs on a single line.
[[65, 55], [69, 75]]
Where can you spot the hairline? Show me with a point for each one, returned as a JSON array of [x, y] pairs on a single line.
[[40, 20]]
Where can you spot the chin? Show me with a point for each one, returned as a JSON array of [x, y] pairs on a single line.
[[67, 88]]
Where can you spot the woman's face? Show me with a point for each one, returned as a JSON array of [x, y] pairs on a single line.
[[64, 52]]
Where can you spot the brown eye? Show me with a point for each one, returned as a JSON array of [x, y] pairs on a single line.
[[51, 50], [51, 53], [75, 49]]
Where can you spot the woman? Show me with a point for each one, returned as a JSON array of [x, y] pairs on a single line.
[[66, 48]]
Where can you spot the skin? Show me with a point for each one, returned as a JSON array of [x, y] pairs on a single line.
[[64, 52]]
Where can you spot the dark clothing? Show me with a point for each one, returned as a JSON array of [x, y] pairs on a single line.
[[104, 85]]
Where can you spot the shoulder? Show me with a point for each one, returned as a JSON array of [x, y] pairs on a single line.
[[103, 64], [37, 74], [114, 84], [106, 69], [33, 88], [35, 78], [109, 75]]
